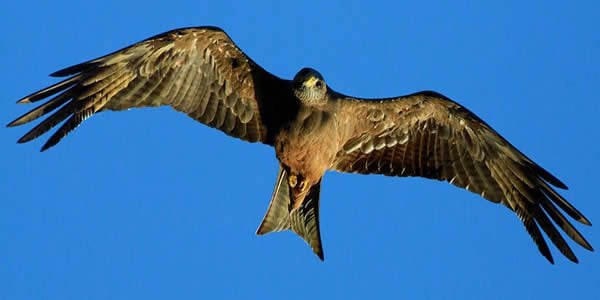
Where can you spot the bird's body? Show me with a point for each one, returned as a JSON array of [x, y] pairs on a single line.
[[202, 73], [294, 143]]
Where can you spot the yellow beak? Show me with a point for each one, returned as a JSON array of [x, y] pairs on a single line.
[[311, 81]]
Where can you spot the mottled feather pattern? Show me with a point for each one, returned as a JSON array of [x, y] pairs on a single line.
[[197, 71], [428, 135]]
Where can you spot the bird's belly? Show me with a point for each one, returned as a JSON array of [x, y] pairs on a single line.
[[307, 152]]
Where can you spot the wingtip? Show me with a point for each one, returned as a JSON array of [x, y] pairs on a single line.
[[583, 220], [25, 100], [551, 178], [18, 121], [561, 185], [46, 146], [12, 124], [23, 139]]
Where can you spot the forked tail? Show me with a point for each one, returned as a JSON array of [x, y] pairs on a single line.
[[303, 220]]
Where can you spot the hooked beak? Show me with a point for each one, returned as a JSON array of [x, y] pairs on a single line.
[[310, 82]]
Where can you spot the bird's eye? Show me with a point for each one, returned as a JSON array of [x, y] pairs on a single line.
[[319, 84]]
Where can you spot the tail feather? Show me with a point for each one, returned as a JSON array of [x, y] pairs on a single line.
[[303, 220], [277, 217]]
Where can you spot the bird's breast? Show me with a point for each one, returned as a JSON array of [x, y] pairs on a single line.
[[308, 144]]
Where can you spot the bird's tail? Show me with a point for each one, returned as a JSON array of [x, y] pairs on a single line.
[[302, 220]]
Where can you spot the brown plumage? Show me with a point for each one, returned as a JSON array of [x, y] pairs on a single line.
[[202, 73]]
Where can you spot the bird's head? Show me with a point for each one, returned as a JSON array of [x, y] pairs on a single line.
[[309, 87]]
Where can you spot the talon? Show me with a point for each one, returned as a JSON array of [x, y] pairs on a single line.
[[293, 180], [302, 185]]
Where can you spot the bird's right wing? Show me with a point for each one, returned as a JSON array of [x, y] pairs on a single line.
[[197, 71]]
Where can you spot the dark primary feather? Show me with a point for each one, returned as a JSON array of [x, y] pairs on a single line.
[[197, 71], [428, 135]]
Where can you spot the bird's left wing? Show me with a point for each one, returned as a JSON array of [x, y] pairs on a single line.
[[428, 135], [198, 71]]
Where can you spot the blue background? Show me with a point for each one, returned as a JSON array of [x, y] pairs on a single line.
[[149, 204]]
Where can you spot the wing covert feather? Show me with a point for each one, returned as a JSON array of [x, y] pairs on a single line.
[[198, 71], [428, 135]]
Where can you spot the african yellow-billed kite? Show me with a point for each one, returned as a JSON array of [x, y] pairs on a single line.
[[202, 73]]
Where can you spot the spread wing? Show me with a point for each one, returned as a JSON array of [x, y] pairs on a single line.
[[428, 135], [197, 71]]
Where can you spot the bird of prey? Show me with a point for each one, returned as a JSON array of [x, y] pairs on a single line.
[[201, 72]]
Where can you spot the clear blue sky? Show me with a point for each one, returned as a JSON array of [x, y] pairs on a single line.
[[149, 204]]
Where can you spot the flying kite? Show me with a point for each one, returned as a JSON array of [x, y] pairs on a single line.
[[202, 73]]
